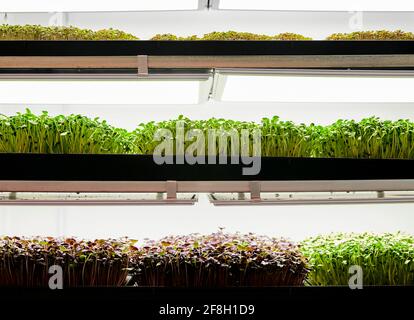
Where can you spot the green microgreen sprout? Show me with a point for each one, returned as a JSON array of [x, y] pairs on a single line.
[[385, 259]]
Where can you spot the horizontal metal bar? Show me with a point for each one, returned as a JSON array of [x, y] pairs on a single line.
[[96, 202], [281, 61], [68, 62], [105, 77], [205, 75], [83, 186], [81, 199], [212, 61], [316, 72], [298, 186], [206, 186], [238, 202], [313, 198]]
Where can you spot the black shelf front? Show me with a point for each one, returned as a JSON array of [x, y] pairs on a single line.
[[103, 167], [140, 302], [211, 48]]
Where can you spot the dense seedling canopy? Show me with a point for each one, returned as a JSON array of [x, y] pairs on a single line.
[[370, 138], [219, 260], [37, 32], [385, 259], [25, 262], [215, 260], [373, 35], [233, 35], [30, 133]]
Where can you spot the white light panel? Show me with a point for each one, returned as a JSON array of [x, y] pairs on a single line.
[[283, 88], [100, 92], [318, 5], [95, 5]]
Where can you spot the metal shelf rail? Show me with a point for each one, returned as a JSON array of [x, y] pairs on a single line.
[[221, 192]]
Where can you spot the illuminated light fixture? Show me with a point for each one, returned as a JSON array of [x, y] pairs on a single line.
[[92, 199], [129, 92], [316, 5], [313, 86], [97, 5]]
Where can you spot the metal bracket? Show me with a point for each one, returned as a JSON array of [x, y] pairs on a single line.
[[142, 65], [217, 87], [255, 189], [171, 188]]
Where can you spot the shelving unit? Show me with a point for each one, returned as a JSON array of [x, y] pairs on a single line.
[[127, 82], [178, 60]]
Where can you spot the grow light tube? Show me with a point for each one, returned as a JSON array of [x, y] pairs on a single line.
[[94, 199], [101, 89], [99, 6], [315, 5], [248, 85]]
